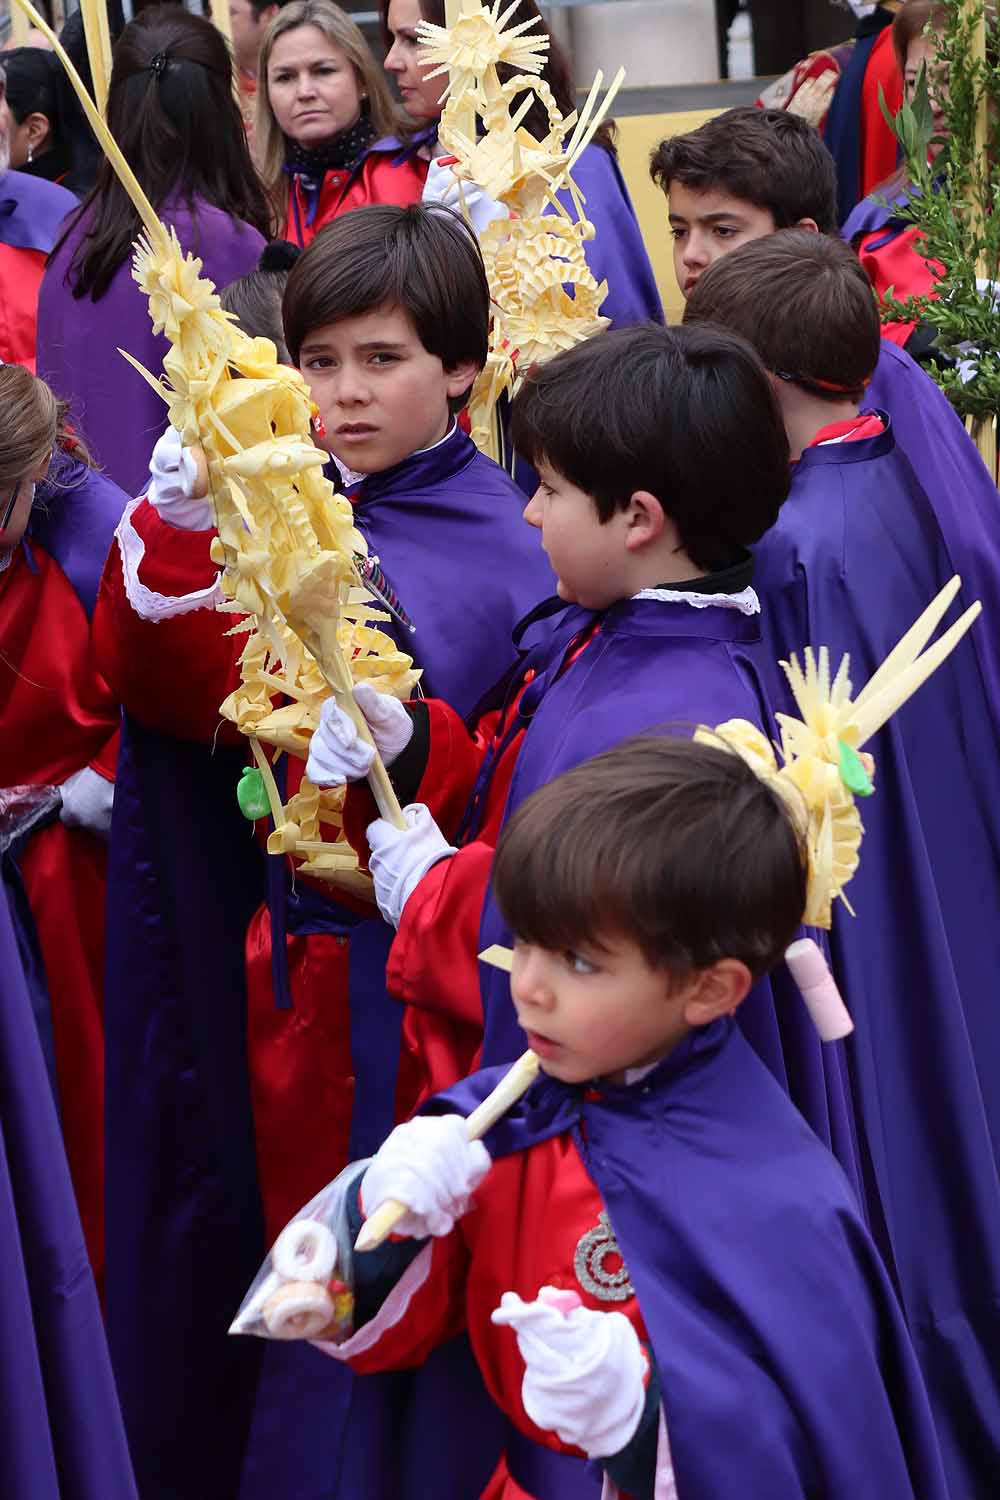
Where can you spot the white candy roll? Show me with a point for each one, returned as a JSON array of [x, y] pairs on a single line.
[[819, 990], [300, 1310], [305, 1250]]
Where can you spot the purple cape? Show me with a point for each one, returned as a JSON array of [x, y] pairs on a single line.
[[447, 528], [31, 211], [784, 1363], [617, 253], [62, 1429], [74, 515], [114, 409], [856, 555], [662, 666]]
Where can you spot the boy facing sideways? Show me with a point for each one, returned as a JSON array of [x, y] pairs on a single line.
[[661, 460], [856, 551], [658, 1265]]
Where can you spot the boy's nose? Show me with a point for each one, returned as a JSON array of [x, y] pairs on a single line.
[[532, 512], [352, 389], [530, 981], [694, 256]]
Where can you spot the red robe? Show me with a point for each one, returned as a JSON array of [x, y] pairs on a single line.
[[378, 179]]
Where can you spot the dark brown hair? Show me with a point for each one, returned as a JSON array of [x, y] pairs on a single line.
[[767, 157], [421, 259], [172, 110], [255, 301], [556, 72], [678, 846], [687, 414], [805, 304]]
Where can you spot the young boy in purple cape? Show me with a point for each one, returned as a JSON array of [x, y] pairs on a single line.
[[856, 551], [648, 537], [386, 314], [660, 1269]]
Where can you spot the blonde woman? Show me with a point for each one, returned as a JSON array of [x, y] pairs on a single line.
[[59, 742], [324, 137]]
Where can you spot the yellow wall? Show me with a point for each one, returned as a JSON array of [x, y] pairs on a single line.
[[637, 135]]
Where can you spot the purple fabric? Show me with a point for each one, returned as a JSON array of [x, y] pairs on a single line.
[[113, 408], [857, 553], [784, 1363], [74, 515], [618, 252], [31, 211], [659, 666], [62, 1430]]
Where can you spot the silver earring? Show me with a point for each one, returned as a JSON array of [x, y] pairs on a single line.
[[31, 154]]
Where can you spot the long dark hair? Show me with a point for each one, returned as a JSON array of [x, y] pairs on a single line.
[[556, 72], [172, 110]]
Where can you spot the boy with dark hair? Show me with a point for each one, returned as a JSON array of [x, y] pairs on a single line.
[[855, 550], [741, 175], [696, 1304], [317, 1027], [648, 500]]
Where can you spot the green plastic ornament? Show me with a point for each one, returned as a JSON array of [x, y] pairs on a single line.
[[852, 771], [251, 796]]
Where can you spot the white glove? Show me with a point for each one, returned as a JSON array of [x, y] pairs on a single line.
[[401, 857], [87, 801], [338, 754], [430, 1165], [173, 478], [441, 186], [584, 1374]]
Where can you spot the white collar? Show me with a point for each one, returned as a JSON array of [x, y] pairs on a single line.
[[745, 601], [351, 477]]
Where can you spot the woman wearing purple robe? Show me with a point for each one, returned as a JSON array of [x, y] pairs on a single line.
[[617, 253], [172, 110]]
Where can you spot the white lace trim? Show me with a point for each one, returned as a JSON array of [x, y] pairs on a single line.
[[351, 477], [148, 604], [745, 601]]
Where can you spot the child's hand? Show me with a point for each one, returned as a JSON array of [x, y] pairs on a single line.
[[178, 484], [401, 857], [585, 1371], [338, 754], [430, 1165]]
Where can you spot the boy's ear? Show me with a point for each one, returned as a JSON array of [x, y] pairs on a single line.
[[460, 377], [645, 519], [720, 989], [809, 224]]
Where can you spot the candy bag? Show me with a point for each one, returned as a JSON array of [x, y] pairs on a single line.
[[305, 1288]]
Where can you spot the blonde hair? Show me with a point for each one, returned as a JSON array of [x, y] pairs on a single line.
[[341, 32], [29, 423]]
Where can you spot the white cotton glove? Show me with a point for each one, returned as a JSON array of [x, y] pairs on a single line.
[[401, 857], [430, 1165], [87, 801], [338, 754], [441, 186], [173, 479], [584, 1374]]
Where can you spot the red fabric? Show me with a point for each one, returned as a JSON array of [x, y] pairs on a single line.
[[878, 144], [56, 710], [171, 675], [301, 1079], [852, 430], [898, 265], [65, 879], [379, 181], [20, 277], [527, 1219]]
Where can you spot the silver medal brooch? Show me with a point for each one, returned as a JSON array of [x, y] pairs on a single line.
[[589, 1262]]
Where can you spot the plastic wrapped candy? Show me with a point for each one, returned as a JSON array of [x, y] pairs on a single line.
[[305, 1288]]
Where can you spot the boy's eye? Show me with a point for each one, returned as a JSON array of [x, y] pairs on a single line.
[[319, 362], [384, 358], [677, 232], [578, 963], [725, 231]]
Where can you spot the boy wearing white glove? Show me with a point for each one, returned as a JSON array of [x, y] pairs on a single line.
[[663, 1274]]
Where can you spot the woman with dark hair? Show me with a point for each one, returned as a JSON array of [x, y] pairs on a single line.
[[323, 133], [617, 253], [172, 110], [38, 144]]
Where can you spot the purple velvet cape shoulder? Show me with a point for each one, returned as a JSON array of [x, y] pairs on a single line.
[[74, 516], [617, 253], [63, 1437], [31, 211], [663, 667], [114, 409], [447, 527], [783, 1359], [857, 553]]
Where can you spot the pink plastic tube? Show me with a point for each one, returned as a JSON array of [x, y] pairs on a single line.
[[823, 999]]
